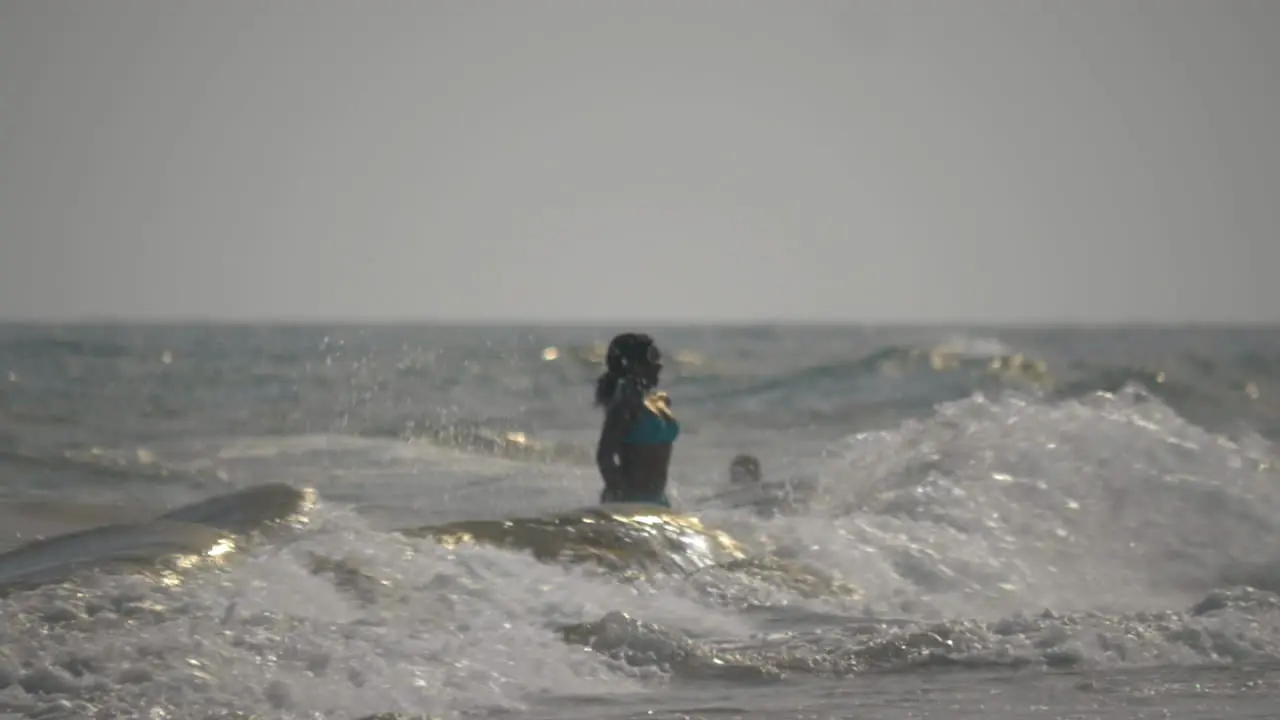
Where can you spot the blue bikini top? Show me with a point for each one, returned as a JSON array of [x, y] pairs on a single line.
[[655, 424]]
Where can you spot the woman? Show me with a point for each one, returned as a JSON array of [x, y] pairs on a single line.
[[634, 453]]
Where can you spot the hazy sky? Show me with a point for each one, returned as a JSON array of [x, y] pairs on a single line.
[[616, 160]]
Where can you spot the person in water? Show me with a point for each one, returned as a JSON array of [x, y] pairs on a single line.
[[634, 453], [748, 488], [744, 469]]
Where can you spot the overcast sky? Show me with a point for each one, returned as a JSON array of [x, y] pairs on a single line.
[[667, 159]]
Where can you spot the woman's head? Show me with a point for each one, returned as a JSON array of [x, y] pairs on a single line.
[[631, 356]]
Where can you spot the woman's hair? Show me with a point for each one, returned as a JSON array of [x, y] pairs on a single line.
[[627, 351], [606, 388]]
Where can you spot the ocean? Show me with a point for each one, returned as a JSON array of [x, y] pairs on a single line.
[[399, 521]]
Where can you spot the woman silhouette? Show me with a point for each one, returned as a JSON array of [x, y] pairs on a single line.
[[634, 453]]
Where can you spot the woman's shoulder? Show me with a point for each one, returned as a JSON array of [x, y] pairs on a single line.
[[631, 398]]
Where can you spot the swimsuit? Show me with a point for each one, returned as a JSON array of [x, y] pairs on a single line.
[[655, 425]]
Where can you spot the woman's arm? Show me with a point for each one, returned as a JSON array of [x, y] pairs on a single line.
[[618, 420]]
